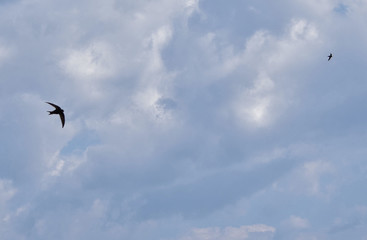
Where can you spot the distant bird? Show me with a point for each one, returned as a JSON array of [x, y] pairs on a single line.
[[330, 56], [59, 111]]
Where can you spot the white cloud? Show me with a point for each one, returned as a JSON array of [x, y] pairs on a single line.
[[5, 53], [7, 190], [311, 178], [298, 222], [192, 6], [158, 40], [266, 54], [89, 67], [313, 171], [259, 231], [318, 7], [301, 29], [253, 106], [92, 62]]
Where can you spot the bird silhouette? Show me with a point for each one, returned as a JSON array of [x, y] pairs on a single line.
[[59, 111], [330, 56]]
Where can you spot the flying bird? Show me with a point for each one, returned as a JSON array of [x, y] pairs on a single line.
[[330, 56], [59, 111]]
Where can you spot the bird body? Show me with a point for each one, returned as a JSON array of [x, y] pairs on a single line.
[[330, 56], [58, 110]]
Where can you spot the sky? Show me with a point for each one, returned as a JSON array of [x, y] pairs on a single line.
[[185, 119]]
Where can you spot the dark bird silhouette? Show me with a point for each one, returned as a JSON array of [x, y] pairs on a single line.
[[330, 56], [59, 111]]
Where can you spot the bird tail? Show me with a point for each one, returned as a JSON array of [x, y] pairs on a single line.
[[49, 112]]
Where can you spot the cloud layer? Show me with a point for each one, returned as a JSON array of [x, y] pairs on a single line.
[[185, 119]]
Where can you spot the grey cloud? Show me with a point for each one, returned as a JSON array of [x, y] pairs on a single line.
[[166, 103], [210, 193], [342, 9], [119, 171]]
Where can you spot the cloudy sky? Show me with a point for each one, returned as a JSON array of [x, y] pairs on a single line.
[[185, 119]]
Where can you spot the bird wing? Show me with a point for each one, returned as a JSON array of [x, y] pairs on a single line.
[[62, 117], [54, 105]]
